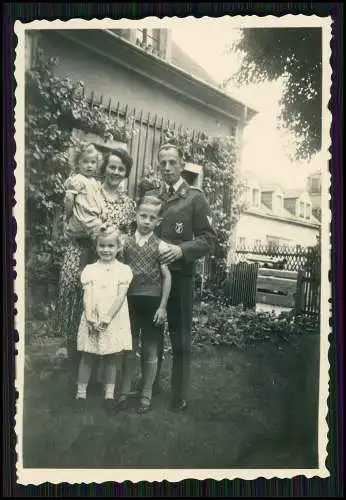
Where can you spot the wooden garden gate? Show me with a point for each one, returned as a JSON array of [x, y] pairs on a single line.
[[309, 287], [241, 284]]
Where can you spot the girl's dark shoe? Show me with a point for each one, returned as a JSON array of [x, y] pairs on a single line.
[[144, 405]]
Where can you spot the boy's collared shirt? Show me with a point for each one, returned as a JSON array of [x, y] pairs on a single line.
[[142, 239]]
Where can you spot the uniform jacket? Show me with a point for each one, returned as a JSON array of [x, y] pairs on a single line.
[[185, 222]]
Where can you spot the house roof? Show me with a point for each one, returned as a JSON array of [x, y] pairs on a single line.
[[294, 193], [200, 88], [269, 188], [185, 62], [284, 215]]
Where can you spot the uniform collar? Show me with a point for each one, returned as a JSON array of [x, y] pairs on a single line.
[[180, 188], [177, 185]]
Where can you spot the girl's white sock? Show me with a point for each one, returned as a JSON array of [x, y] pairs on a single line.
[[81, 391], [109, 391]]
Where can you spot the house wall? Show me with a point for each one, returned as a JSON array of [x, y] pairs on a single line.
[[107, 78], [254, 228]]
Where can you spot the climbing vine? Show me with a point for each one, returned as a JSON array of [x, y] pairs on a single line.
[[55, 107]]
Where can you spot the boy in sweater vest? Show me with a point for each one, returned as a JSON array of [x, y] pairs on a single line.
[[147, 297]]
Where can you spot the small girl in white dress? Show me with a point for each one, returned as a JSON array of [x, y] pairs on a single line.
[[105, 325]]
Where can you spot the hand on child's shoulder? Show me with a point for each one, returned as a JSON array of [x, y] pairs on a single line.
[[163, 246]]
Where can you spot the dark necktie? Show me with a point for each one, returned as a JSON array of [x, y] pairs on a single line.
[[171, 191]]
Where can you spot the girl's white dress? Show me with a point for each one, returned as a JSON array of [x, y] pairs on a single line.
[[104, 280]]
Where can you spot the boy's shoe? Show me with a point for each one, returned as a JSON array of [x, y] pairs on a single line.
[[144, 405], [122, 403], [178, 405]]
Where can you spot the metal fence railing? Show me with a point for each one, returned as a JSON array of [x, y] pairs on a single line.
[[291, 258]]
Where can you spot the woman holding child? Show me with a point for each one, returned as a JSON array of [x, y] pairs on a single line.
[[89, 205]]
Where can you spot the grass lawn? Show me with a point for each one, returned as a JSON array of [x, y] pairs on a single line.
[[251, 408]]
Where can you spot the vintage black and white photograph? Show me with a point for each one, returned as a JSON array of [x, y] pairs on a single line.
[[172, 192]]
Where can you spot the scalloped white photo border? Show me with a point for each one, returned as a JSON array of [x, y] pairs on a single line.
[[26, 476]]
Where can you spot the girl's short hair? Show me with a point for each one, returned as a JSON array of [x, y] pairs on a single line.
[[106, 231], [124, 157], [86, 149]]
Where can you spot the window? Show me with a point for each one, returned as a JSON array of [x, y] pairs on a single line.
[[301, 209], [273, 241], [255, 197], [242, 242], [258, 243], [308, 211], [315, 187], [146, 39], [233, 130]]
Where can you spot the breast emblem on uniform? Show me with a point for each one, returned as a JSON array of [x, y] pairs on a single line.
[[179, 227]]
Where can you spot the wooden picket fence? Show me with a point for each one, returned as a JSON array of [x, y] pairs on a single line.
[[308, 299], [247, 283], [241, 285]]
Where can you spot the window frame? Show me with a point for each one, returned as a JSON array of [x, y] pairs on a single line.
[[301, 212], [253, 197]]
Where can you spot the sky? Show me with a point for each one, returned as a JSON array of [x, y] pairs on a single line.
[[264, 150]]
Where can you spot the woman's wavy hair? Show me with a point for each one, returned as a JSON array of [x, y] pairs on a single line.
[[124, 157]]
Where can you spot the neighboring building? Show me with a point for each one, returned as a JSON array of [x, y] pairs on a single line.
[[276, 217], [146, 73], [314, 190]]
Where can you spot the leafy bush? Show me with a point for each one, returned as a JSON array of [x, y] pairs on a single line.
[[219, 324], [54, 107]]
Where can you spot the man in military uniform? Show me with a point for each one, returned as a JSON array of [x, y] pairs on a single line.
[[186, 228]]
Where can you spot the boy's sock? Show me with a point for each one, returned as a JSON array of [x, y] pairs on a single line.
[[109, 391], [81, 391]]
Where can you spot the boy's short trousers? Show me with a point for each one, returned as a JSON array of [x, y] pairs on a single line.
[[142, 310]]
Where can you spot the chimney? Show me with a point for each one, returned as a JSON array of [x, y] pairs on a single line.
[[166, 44]]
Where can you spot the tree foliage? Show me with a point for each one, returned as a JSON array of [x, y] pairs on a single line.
[[295, 54]]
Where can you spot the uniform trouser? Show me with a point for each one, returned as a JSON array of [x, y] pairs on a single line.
[[179, 315]]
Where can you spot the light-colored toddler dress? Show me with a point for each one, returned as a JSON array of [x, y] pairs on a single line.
[[105, 280]]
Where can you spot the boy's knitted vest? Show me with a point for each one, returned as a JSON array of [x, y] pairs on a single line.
[[145, 265]]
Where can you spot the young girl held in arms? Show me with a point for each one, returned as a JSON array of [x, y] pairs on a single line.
[[105, 325], [80, 186]]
